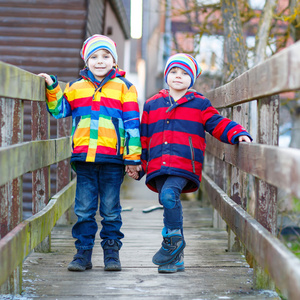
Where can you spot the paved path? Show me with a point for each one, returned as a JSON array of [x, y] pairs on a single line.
[[211, 272]]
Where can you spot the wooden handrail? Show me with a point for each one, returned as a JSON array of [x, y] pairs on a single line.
[[18, 243], [43, 153], [254, 159], [282, 265], [277, 74]]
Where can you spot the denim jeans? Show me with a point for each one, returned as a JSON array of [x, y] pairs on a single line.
[[94, 180], [170, 188]]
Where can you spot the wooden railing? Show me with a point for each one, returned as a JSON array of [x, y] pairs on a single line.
[[269, 166], [18, 237], [260, 167]]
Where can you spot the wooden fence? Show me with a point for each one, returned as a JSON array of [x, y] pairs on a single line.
[[260, 167], [18, 237]]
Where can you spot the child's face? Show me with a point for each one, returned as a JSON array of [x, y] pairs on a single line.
[[100, 63], [178, 79]]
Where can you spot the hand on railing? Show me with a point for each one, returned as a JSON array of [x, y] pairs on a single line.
[[244, 138], [47, 77]]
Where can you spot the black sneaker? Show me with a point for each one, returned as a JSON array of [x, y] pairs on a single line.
[[172, 245], [177, 265], [111, 256], [81, 261]]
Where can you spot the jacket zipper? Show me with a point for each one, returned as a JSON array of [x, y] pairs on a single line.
[[192, 153]]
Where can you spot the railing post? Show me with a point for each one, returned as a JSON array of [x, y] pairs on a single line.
[[11, 208], [63, 174], [40, 178], [266, 194]]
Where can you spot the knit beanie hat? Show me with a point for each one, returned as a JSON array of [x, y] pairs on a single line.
[[185, 62], [97, 42]]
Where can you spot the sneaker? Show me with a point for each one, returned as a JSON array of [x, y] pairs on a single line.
[[177, 265], [81, 261], [111, 256], [172, 245]]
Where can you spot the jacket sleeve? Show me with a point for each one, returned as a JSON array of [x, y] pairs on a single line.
[[131, 119], [223, 129], [57, 101]]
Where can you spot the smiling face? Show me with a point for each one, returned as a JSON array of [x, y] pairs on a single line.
[[178, 80], [100, 63]]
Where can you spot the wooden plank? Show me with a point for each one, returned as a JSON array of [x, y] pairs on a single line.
[[265, 162], [45, 22], [263, 245], [17, 244], [41, 190], [29, 87], [63, 4], [14, 160], [268, 132], [11, 132], [37, 12], [211, 272], [275, 75]]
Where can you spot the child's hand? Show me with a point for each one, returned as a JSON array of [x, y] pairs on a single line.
[[47, 77], [244, 138], [132, 171]]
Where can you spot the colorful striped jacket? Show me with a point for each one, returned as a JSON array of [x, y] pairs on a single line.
[[105, 117], [173, 136]]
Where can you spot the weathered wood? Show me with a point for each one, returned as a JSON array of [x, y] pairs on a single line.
[[275, 75], [265, 162], [268, 132], [40, 130], [76, 4], [32, 156], [263, 245], [11, 132], [211, 272], [18, 243]]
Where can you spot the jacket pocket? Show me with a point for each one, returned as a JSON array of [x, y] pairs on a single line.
[[76, 123], [115, 122], [148, 155], [192, 153]]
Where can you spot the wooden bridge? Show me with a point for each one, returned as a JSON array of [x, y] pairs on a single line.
[[233, 251]]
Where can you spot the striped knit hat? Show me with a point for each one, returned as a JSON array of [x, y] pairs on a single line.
[[97, 42], [185, 62]]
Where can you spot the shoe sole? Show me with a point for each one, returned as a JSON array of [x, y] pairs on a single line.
[[171, 270], [78, 268], [113, 268]]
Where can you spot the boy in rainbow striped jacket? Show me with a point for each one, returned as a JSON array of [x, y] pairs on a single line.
[[105, 141], [173, 128]]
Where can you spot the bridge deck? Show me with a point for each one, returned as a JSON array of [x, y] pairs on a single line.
[[211, 272]]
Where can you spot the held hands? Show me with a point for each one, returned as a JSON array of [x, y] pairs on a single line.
[[47, 77], [132, 171], [244, 138]]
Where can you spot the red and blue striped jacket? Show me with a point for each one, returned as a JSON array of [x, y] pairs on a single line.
[[173, 136]]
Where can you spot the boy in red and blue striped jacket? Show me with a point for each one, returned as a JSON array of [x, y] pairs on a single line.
[[173, 129], [105, 141]]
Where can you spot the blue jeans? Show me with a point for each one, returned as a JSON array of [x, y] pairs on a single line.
[[170, 188], [94, 180]]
